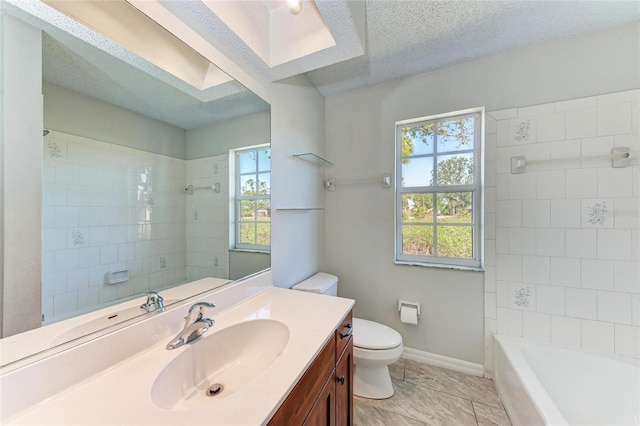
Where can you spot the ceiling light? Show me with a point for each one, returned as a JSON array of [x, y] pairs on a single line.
[[295, 6]]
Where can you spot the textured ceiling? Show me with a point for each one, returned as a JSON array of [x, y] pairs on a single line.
[[79, 59], [410, 37]]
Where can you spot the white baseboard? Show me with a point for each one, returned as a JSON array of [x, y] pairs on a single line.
[[444, 361]]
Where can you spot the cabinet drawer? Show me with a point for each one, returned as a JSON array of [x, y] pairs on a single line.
[[343, 333]]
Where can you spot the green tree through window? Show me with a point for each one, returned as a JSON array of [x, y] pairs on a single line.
[[253, 199], [438, 189]]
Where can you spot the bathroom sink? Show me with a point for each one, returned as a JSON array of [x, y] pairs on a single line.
[[101, 322], [219, 364]]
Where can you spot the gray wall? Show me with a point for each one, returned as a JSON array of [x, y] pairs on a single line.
[[218, 138], [78, 114], [360, 141]]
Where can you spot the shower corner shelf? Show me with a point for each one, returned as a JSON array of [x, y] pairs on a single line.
[[314, 159]]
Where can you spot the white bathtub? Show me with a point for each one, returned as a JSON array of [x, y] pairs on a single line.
[[542, 384]]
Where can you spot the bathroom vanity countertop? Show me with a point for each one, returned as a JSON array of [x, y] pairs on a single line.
[[122, 394]]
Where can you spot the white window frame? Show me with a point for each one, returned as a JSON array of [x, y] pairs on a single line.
[[238, 198], [476, 263]]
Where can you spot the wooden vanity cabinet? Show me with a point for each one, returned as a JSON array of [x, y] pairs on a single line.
[[324, 394]]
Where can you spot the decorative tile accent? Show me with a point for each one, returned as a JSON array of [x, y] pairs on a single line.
[[148, 199], [195, 214], [522, 297], [55, 151], [598, 213], [216, 263], [162, 262], [522, 131], [215, 169], [78, 238]]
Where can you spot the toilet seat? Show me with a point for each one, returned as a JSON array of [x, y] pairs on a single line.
[[371, 335]]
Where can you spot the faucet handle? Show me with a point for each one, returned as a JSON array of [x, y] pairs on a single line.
[[154, 300], [197, 309]]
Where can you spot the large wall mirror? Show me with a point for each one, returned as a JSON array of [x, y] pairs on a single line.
[[152, 179]]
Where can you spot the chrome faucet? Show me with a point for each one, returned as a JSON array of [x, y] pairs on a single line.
[[195, 325], [154, 302]]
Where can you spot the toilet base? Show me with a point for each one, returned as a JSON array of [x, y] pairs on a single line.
[[372, 382]]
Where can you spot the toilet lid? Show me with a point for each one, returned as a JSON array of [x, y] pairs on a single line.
[[372, 335]]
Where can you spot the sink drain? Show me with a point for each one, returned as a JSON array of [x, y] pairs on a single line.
[[214, 389]]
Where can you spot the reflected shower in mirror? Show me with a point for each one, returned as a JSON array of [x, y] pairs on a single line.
[[124, 141]]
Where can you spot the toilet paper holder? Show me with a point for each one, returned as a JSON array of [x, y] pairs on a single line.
[[402, 303]]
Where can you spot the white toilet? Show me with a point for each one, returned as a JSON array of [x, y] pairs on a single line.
[[375, 345]]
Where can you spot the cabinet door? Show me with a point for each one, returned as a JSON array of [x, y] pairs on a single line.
[[344, 387], [323, 411]]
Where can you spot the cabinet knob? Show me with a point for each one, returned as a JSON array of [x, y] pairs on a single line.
[[348, 333], [340, 379]]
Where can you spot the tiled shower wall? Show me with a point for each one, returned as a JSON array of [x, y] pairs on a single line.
[[208, 218], [108, 208], [562, 239]]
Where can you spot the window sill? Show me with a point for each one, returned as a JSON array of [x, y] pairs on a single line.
[[441, 266], [243, 250]]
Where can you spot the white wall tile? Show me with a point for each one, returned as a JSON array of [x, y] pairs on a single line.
[[580, 103], [581, 243], [490, 329], [626, 213], [66, 217], [98, 235], [535, 269], [509, 267], [627, 340], [503, 114], [565, 272], [597, 274], [503, 294], [522, 241], [490, 305], [551, 127], [565, 213], [117, 234], [635, 245], [509, 322], [536, 326], [79, 195], [566, 331], [108, 254], [65, 302], [565, 154], [54, 194], [490, 278], [522, 186], [614, 307], [97, 275], [88, 216], [551, 184], [597, 336], [509, 213], [582, 183], [490, 226], [48, 262], [627, 276], [88, 256], [536, 213], [581, 123], [77, 237], [66, 260], [54, 283], [550, 242], [77, 278], [126, 252], [635, 309], [489, 252], [581, 303], [614, 244], [54, 239], [522, 130], [615, 182], [614, 119], [550, 299]]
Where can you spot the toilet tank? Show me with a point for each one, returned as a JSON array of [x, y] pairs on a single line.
[[321, 283]]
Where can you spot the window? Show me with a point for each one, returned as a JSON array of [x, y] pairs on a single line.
[[253, 199], [438, 190]]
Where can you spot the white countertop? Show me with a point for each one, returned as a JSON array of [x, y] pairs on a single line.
[[34, 342], [122, 394]]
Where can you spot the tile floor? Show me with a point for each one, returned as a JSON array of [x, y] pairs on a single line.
[[428, 395]]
